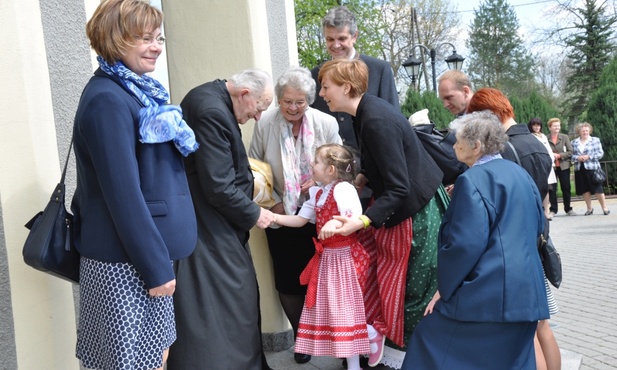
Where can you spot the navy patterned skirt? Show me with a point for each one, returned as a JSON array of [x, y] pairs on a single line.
[[120, 326]]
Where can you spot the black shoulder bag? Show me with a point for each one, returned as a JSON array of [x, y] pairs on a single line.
[[551, 261], [440, 146], [49, 246]]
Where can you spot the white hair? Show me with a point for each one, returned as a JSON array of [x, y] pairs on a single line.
[[255, 80]]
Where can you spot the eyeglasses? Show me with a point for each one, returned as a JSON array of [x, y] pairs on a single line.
[[148, 40], [299, 104]]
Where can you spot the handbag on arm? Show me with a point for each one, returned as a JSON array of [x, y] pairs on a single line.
[[49, 245], [551, 261], [599, 176]]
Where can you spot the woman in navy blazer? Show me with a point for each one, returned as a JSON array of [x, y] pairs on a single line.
[[133, 209], [491, 285]]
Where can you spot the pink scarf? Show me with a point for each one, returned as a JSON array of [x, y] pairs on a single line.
[[297, 156]]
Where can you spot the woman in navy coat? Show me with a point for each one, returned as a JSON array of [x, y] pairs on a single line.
[[133, 209], [491, 285]]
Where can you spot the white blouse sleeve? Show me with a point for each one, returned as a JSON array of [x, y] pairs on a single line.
[[347, 200], [308, 208]]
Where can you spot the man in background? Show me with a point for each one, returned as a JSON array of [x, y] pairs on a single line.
[[340, 30], [455, 91]]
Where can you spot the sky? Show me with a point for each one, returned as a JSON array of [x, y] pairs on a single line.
[[530, 13]]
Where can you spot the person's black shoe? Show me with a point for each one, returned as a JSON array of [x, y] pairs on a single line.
[[363, 362], [301, 358]]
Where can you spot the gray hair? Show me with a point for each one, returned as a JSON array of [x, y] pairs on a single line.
[[255, 80], [338, 18], [483, 126], [298, 78]]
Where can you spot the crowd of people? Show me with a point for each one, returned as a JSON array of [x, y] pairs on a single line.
[[374, 260]]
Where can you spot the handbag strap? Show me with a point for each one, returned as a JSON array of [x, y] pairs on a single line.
[[546, 223], [518, 160], [66, 163]]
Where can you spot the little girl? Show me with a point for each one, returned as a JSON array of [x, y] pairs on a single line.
[[333, 321]]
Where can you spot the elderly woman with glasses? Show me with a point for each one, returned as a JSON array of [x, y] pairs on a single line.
[[286, 138], [491, 290]]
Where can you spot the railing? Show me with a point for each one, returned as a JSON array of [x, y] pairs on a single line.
[[610, 185]]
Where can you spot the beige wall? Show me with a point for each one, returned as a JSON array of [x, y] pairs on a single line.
[[216, 39], [42, 306], [44, 64]]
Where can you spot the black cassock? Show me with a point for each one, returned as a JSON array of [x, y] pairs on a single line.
[[217, 298]]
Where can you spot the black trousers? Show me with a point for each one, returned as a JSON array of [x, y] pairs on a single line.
[[563, 176]]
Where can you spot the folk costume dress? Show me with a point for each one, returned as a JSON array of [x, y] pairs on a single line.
[[290, 159], [333, 321]]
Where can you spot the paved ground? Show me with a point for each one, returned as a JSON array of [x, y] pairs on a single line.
[[587, 298], [586, 327]]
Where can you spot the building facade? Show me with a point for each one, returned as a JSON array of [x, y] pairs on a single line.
[[45, 61]]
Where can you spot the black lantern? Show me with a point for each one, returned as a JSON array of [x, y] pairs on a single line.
[[455, 61], [412, 67]]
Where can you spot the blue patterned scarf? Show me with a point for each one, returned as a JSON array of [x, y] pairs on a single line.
[[158, 122]]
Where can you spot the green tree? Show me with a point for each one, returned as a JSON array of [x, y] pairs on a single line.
[[499, 58], [533, 105], [311, 46], [416, 101], [590, 50], [602, 114]]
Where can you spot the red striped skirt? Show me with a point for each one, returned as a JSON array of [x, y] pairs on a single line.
[[384, 296]]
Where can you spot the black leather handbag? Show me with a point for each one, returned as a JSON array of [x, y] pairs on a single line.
[[599, 176], [551, 261], [49, 247]]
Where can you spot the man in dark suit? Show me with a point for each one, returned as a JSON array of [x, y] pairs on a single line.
[[217, 298], [341, 32]]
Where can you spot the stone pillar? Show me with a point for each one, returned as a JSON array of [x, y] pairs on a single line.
[[216, 39]]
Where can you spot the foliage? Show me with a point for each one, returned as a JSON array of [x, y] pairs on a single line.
[[311, 46], [498, 57], [590, 50], [534, 105], [416, 101], [602, 113]]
